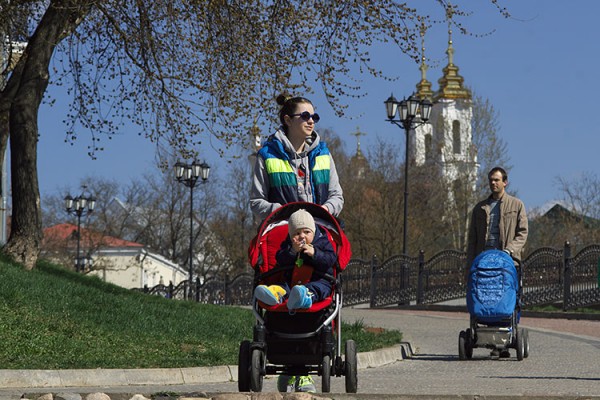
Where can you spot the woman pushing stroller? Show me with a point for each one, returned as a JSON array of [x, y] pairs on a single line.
[[295, 165]]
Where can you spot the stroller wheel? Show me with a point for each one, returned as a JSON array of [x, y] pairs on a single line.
[[326, 374], [469, 344], [465, 345], [462, 345], [256, 370], [520, 344], [244, 367], [350, 367], [525, 333]]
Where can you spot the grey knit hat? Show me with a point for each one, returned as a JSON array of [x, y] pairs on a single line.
[[300, 219]]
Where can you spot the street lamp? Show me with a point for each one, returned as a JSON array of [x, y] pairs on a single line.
[[80, 206], [408, 119], [188, 174]]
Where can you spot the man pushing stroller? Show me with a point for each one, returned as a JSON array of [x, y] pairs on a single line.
[[497, 223]]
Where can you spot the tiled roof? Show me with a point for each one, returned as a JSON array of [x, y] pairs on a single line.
[[61, 233]]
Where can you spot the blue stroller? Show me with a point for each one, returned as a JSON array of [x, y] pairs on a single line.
[[493, 300]]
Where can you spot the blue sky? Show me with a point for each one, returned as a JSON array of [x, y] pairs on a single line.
[[538, 69]]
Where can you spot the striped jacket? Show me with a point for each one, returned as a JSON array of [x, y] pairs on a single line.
[[283, 183], [275, 178]]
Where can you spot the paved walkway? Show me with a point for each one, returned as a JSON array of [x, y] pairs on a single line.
[[564, 361], [564, 358]]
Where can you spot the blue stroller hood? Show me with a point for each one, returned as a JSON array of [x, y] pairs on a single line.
[[492, 286]]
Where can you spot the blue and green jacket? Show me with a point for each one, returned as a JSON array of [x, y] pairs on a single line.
[[283, 182]]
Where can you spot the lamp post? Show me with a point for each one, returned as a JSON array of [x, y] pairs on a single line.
[[188, 174], [80, 206], [408, 119]]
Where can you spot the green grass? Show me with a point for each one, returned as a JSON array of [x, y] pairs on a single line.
[[52, 318]]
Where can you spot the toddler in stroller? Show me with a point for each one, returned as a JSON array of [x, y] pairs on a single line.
[[493, 302], [309, 249], [301, 342]]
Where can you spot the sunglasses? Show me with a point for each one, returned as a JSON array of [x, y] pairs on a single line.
[[306, 116]]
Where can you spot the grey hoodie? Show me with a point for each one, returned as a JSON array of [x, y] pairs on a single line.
[[259, 200]]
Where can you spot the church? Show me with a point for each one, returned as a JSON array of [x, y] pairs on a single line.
[[446, 141]]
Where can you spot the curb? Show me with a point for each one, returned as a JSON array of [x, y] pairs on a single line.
[[114, 377], [524, 313], [163, 376]]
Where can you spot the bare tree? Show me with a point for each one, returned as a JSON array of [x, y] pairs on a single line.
[[157, 209], [183, 71], [575, 218], [232, 221], [154, 211], [582, 195], [373, 207], [491, 149]]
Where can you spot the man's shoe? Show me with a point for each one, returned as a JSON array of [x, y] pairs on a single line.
[[306, 384], [505, 354], [270, 295], [286, 383], [300, 297], [495, 353]]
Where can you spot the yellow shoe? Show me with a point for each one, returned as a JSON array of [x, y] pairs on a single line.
[[306, 384], [270, 295]]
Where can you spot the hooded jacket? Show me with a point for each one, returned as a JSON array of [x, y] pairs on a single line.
[[283, 176]]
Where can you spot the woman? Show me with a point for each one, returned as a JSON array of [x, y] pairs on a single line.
[[294, 164]]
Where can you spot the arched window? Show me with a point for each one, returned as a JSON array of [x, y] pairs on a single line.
[[428, 146], [456, 147]]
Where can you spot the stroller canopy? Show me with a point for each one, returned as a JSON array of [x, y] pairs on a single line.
[[492, 286], [257, 251]]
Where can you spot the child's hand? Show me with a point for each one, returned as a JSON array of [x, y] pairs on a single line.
[[303, 247], [307, 249], [297, 245]]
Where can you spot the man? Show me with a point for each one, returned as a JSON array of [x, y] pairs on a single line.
[[498, 222]]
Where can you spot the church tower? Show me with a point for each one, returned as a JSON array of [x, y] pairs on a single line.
[[359, 161], [447, 141]]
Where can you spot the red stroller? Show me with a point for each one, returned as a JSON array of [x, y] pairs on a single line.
[[308, 342]]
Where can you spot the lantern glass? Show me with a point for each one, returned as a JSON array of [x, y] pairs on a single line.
[[196, 169], [68, 202], [179, 169], [204, 170], [413, 105], [91, 204], [391, 107], [403, 110], [425, 109]]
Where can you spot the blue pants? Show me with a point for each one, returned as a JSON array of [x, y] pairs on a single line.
[[320, 289]]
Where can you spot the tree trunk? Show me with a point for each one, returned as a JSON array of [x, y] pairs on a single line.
[[28, 83]]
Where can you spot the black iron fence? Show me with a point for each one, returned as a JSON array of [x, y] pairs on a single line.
[[549, 276]]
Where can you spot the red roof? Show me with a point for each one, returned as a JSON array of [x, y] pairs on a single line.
[[61, 233]]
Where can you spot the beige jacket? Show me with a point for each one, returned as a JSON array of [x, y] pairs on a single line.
[[513, 227]]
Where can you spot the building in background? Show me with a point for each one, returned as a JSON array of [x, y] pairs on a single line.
[[121, 262], [447, 141]]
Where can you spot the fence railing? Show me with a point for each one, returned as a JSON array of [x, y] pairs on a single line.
[[549, 276]]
